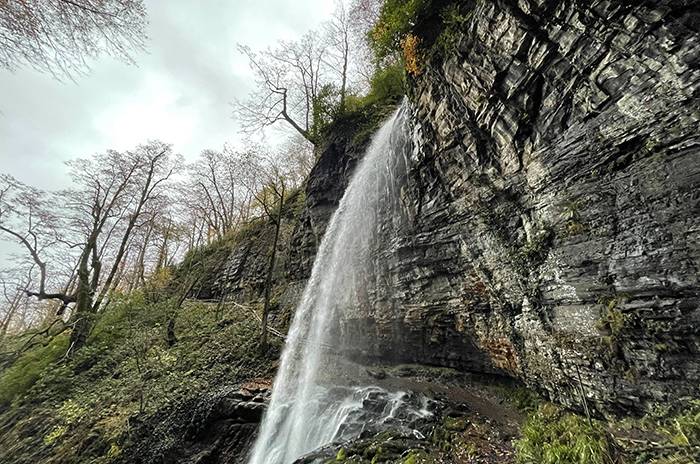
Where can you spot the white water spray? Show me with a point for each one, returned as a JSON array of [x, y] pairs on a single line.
[[312, 405]]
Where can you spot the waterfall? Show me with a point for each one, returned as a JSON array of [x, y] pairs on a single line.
[[318, 396]]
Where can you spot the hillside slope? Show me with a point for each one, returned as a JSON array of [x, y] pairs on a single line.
[[549, 237]]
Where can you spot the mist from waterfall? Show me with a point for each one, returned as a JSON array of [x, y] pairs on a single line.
[[314, 400]]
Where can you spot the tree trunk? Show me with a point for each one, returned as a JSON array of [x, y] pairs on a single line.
[[82, 317], [344, 81], [170, 337], [268, 280]]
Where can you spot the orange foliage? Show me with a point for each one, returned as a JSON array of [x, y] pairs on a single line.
[[411, 54]]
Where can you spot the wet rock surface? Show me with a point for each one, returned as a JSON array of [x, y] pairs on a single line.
[[555, 199], [550, 214], [469, 421], [551, 211]]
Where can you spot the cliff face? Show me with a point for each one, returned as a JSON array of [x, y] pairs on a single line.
[[551, 225], [552, 204]]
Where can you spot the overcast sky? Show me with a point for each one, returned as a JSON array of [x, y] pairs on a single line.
[[180, 91]]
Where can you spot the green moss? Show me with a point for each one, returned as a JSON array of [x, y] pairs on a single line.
[[571, 214], [612, 320], [114, 451], [124, 375], [456, 424], [26, 371], [341, 456], [55, 434], [524, 399], [661, 347], [534, 252], [420, 457], [575, 228], [551, 436]]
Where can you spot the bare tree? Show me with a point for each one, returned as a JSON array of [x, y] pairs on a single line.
[[214, 199], [97, 219], [38, 232], [338, 34], [271, 199], [269, 177], [296, 159], [363, 15], [213, 185], [58, 36], [289, 80], [13, 297]]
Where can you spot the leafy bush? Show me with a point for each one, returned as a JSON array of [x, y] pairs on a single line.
[[454, 20], [387, 87], [325, 108], [396, 19], [551, 436]]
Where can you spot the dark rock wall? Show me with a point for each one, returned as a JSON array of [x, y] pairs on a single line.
[[553, 205], [242, 276], [217, 427], [555, 200], [551, 223]]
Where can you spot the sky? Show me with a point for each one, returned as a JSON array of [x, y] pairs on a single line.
[[180, 91]]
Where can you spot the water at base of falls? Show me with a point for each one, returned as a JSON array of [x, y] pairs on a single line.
[[318, 397], [345, 413]]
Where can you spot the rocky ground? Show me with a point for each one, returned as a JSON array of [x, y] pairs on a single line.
[[471, 421]]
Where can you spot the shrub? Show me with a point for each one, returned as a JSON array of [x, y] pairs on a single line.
[[551, 436], [411, 54], [396, 19], [387, 83], [387, 87], [453, 21], [324, 109]]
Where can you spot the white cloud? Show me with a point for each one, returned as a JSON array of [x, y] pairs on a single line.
[[180, 91]]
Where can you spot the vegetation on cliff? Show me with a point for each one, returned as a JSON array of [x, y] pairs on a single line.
[[104, 382]]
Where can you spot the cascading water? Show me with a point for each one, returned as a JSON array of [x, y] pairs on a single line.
[[313, 403]]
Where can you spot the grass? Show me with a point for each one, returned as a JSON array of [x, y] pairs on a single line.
[[671, 436], [552, 436]]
